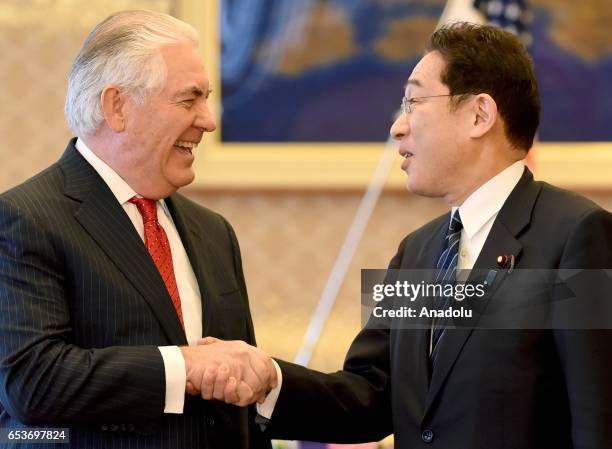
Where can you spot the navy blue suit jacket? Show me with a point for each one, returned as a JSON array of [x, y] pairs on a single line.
[[536, 388]]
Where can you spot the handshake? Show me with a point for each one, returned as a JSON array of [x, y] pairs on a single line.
[[230, 371]]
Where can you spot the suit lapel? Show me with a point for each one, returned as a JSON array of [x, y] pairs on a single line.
[[513, 217], [107, 223], [199, 250], [412, 353], [430, 256]]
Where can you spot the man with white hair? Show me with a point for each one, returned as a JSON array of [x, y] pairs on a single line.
[[108, 277]]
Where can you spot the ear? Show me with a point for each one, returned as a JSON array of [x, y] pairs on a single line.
[[484, 115], [113, 106]]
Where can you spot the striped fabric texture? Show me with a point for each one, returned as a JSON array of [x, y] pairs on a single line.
[[83, 309], [446, 271]]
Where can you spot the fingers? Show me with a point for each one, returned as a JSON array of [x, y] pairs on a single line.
[[190, 389], [208, 341], [273, 374], [263, 367], [254, 364], [266, 368], [257, 376], [261, 399], [230, 393], [244, 394], [223, 374], [230, 371], [208, 382]]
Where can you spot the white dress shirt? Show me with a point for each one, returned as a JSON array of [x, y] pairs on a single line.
[[478, 212], [187, 284]]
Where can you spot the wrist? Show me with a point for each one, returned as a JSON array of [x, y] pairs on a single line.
[[187, 353]]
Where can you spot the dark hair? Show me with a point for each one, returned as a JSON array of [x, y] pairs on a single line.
[[486, 59]]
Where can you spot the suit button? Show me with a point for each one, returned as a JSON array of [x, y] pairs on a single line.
[[427, 436], [210, 421]]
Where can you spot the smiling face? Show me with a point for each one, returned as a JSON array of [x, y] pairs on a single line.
[[433, 138], [156, 146]]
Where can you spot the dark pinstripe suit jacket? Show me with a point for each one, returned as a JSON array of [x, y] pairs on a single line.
[[83, 309]]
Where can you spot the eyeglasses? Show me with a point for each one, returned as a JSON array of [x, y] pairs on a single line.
[[408, 103]]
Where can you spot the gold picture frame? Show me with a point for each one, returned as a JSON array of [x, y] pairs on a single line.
[[344, 166]]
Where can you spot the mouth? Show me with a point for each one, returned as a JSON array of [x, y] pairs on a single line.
[[407, 155], [185, 146]]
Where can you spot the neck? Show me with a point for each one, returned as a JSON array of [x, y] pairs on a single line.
[[112, 150], [477, 177], [103, 146]]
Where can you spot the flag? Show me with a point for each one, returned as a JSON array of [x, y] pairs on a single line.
[[511, 15], [460, 11]]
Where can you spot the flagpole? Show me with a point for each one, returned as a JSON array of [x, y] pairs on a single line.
[[343, 260]]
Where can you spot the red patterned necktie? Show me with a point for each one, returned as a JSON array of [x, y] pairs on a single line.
[[157, 243]]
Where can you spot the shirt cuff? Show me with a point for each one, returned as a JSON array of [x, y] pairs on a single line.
[[176, 378], [266, 408]]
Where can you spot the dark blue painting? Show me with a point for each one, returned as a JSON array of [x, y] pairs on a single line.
[[333, 71]]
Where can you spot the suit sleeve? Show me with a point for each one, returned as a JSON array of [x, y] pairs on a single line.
[[586, 354], [44, 378], [349, 406]]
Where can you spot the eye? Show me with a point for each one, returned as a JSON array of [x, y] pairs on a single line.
[[188, 103]]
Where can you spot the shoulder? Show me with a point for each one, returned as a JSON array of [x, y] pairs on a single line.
[[578, 228], [35, 197], [562, 213], [197, 210], [201, 216], [425, 232], [560, 206], [30, 212], [43, 185], [418, 243]]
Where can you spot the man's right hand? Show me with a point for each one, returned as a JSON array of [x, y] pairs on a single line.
[[231, 371]]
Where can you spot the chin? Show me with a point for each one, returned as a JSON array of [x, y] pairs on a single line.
[[412, 186], [421, 190], [184, 179]]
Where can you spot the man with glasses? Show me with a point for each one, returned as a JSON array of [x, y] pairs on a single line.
[[469, 116]]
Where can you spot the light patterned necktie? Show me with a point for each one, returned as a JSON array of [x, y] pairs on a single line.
[[446, 271], [157, 243]]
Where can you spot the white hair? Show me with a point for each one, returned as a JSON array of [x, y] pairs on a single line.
[[123, 51]]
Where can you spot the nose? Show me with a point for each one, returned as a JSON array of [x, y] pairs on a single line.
[[400, 127], [205, 119]]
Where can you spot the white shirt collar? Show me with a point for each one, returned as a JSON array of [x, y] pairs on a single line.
[[121, 189], [489, 198]]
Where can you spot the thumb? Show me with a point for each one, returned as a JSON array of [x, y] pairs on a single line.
[[190, 389], [208, 341]]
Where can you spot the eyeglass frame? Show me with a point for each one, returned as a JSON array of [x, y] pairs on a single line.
[[408, 103]]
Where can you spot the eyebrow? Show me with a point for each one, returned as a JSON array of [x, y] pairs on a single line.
[[412, 82], [194, 90]]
